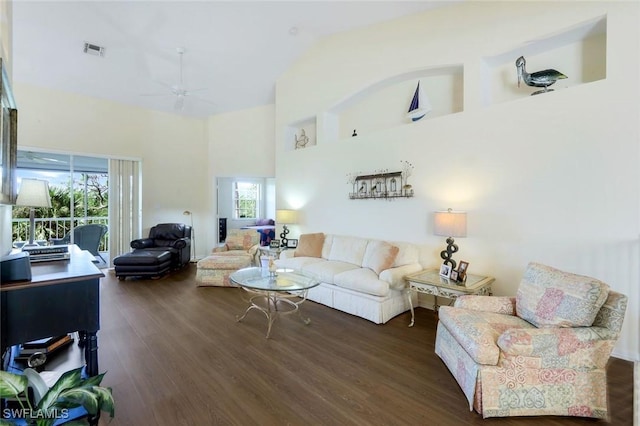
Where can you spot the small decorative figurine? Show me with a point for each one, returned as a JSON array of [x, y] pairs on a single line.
[[543, 78], [303, 140], [272, 267]]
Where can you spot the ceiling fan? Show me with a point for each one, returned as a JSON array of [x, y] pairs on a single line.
[[179, 90]]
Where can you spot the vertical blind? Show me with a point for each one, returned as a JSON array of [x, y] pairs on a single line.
[[124, 205]]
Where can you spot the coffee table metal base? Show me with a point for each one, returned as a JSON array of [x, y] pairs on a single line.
[[272, 304]]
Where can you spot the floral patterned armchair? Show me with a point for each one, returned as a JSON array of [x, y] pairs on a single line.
[[543, 352]]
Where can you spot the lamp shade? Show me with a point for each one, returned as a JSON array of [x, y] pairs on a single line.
[[450, 223], [286, 216], [34, 193]]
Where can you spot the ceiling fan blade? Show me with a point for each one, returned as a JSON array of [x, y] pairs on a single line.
[[156, 94], [197, 98]]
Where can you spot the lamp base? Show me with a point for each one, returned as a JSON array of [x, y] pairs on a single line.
[[448, 252], [283, 236]]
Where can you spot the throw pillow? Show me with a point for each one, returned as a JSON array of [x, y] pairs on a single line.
[[379, 256], [549, 297], [310, 245]]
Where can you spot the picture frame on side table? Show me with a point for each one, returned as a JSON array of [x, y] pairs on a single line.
[[462, 270], [454, 275], [292, 243], [274, 244], [445, 270]]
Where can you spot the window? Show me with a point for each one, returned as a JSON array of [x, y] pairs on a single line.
[[246, 200]]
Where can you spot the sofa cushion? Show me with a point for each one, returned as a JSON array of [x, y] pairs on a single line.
[[363, 280], [326, 271], [478, 332], [310, 245], [348, 249], [379, 255], [297, 263], [549, 297]]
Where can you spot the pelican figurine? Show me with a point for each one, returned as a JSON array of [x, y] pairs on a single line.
[[539, 78]]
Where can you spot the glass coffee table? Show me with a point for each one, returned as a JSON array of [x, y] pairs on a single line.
[[273, 294]]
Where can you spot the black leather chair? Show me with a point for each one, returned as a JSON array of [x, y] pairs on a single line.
[[168, 247]]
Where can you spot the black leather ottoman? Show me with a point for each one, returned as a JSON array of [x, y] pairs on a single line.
[[143, 263]]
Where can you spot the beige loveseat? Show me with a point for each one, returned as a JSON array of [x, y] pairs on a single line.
[[360, 276]]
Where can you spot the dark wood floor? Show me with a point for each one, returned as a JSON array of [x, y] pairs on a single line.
[[175, 355]]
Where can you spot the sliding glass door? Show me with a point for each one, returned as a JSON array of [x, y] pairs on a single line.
[[78, 186]]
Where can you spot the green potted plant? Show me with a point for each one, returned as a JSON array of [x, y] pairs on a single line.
[[69, 391]]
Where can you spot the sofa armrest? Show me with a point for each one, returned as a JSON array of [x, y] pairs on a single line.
[[587, 347], [496, 304], [220, 249], [395, 276], [142, 243]]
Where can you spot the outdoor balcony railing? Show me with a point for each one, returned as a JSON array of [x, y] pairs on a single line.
[[55, 227]]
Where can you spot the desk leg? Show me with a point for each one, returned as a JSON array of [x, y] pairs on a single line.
[[91, 353]]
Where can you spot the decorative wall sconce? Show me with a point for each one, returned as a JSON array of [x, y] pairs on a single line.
[[450, 224]]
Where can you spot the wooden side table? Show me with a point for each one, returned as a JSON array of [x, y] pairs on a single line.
[[429, 281]]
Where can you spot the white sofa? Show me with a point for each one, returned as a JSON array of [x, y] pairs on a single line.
[[360, 276]]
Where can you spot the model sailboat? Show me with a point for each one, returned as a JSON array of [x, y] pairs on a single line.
[[420, 105]]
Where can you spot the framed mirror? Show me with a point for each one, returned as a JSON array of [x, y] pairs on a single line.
[[8, 139]]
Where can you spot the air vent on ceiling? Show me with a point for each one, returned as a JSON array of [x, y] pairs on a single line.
[[93, 49]]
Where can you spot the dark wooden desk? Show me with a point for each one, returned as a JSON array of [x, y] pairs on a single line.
[[62, 297]]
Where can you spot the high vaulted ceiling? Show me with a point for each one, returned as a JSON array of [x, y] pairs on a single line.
[[234, 50]]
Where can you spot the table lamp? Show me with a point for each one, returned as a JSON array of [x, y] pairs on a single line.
[[450, 224], [33, 193], [285, 217]]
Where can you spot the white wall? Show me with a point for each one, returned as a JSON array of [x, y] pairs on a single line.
[[241, 144], [172, 148], [552, 178]]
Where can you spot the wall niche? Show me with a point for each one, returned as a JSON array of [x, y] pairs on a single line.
[[579, 52], [301, 134]]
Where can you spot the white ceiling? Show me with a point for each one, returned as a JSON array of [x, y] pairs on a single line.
[[235, 50]]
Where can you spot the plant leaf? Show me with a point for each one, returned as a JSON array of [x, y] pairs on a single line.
[[83, 396], [69, 379], [93, 381], [105, 397], [5, 422], [11, 384]]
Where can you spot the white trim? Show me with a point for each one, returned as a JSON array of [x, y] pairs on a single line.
[[84, 154]]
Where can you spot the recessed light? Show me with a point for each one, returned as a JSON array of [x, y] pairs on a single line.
[[293, 31]]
